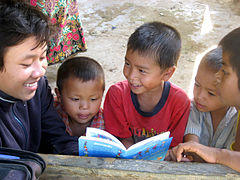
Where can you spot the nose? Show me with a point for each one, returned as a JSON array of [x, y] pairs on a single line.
[[83, 104], [39, 68], [131, 75], [200, 95]]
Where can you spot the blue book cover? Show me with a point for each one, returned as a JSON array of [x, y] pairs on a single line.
[[99, 143]]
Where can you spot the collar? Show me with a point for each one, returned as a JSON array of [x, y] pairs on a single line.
[[7, 98]]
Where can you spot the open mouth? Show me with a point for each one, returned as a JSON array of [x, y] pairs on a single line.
[[30, 84], [135, 85]]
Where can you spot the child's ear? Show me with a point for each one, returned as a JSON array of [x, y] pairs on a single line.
[[168, 73], [58, 94]]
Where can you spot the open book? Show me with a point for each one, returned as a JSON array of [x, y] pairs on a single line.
[[99, 143]]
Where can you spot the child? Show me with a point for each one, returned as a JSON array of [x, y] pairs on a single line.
[[210, 121], [229, 76], [146, 103], [80, 87]]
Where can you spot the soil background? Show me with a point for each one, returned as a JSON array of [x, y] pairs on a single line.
[[108, 24]]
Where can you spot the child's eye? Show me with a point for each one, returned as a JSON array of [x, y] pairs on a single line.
[[195, 84], [127, 64], [74, 99], [26, 65], [142, 71], [94, 99], [224, 72], [43, 58], [211, 94]]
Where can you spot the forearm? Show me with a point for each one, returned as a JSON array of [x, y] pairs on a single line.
[[228, 158], [191, 137], [236, 144]]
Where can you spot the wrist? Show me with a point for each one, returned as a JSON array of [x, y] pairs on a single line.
[[220, 155]]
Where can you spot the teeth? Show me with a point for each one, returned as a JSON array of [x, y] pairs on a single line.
[[31, 85], [136, 85]]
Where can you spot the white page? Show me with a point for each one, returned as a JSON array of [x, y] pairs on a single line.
[[104, 141], [93, 132]]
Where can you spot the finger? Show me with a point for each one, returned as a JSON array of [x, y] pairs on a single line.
[[172, 155], [185, 159], [179, 153]]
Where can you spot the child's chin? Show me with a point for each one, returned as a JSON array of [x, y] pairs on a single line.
[[202, 110], [84, 121]]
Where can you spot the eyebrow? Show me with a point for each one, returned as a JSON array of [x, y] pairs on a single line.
[[33, 55], [141, 67], [212, 90]]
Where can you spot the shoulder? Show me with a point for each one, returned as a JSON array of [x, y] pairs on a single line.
[[194, 111], [43, 82], [123, 85], [119, 88], [232, 113], [178, 94]]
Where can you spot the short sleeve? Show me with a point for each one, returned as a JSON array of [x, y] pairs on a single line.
[[114, 115], [193, 124]]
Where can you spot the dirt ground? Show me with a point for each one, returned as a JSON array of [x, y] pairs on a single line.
[[108, 24]]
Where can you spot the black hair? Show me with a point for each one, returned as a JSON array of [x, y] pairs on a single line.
[[213, 59], [231, 45], [157, 40], [18, 21], [83, 68]]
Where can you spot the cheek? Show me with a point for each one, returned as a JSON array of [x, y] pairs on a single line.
[[194, 92], [96, 105], [125, 71], [45, 64], [69, 106]]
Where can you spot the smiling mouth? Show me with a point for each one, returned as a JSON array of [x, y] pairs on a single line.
[[30, 84], [135, 86]]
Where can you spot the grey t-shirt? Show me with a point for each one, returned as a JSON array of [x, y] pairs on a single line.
[[200, 124]]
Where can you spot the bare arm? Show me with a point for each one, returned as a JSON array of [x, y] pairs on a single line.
[[236, 144], [191, 137], [209, 154]]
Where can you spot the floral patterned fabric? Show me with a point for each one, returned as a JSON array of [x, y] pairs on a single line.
[[69, 38]]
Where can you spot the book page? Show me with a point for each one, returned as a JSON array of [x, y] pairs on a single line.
[[97, 147], [99, 133], [158, 137], [153, 150]]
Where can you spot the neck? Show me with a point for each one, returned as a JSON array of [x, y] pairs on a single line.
[[217, 116], [149, 100]]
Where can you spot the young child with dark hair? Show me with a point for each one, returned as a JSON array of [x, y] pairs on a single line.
[[211, 122], [80, 88], [146, 103], [229, 90]]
